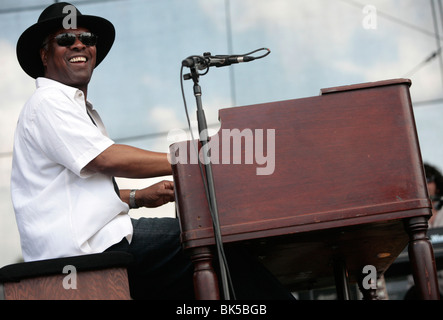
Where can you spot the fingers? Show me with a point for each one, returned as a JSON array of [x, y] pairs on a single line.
[[168, 184], [169, 191], [156, 195]]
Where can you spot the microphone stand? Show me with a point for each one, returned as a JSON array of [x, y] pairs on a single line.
[[212, 201]]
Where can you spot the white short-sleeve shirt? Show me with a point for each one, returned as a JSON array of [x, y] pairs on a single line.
[[62, 209]]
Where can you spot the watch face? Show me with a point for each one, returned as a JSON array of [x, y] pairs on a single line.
[[132, 199]]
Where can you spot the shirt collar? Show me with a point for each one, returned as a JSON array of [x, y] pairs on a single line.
[[72, 92]]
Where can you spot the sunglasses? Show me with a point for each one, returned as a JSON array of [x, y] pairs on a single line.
[[68, 39]]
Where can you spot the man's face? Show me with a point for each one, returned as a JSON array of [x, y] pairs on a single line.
[[71, 65]]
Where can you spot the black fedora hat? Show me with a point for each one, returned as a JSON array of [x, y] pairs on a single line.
[[51, 20]]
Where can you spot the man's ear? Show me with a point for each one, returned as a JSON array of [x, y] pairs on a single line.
[[44, 56]]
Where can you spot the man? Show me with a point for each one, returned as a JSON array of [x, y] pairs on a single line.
[[434, 181], [62, 184]]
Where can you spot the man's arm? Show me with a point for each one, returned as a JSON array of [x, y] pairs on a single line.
[[130, 162]]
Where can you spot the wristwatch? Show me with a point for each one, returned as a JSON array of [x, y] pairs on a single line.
[[132, 204]]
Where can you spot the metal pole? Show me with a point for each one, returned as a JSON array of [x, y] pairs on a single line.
[[230, 50], [437, 38]]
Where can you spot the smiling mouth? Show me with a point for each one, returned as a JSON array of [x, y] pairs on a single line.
[[78, 59]]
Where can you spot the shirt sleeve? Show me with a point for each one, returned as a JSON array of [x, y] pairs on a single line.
[[66, 134]]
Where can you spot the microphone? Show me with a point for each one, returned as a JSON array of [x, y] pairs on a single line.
[[224, 60], [207, 60]]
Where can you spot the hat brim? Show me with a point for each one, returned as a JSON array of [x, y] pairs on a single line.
[[30, 42]]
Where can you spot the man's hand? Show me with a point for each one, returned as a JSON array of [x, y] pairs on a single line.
[[156, 195]]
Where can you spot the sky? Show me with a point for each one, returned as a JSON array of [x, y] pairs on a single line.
[[314, 44]]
